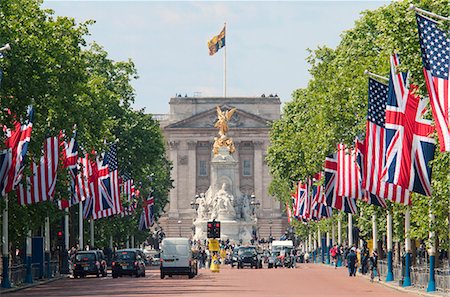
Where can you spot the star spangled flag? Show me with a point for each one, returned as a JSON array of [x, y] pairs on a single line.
[[331, 187], [107, 203], [409, 147], [147, 216], [41, 185], [128, 190], [349, 173], [435, 47], [217, 42], [17, 141], [377, 190]]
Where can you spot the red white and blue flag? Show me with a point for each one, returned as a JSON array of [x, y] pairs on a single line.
[[108, 203], [129, 191], [435, 46], [12, 164], [377, 190], [331, 187], [147, 216], [319, 208], [41, 185], [409, 147], [349, 173]]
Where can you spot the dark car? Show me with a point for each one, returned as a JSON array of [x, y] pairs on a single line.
[[87, 262], [248, 256], [234, 257], [127, 262]]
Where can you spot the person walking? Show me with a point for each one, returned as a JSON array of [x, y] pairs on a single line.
[[373, 261], [351, 262], [333, 253]]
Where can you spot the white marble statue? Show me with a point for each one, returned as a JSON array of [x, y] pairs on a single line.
[[245, 210], [223, 204], [202, 211]]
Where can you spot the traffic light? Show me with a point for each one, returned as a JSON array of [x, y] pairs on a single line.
[[213, 229], [60, 238]]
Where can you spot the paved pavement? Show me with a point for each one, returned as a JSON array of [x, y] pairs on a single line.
[[307, 280]]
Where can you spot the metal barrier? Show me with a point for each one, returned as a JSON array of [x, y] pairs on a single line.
[[18, 272], [420, 275]]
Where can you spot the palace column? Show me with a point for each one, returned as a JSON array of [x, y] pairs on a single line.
[[258, 173], [173, 202], [192, 171]]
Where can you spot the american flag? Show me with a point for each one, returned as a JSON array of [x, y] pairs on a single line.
[[378, 190], [349, 174], [147, 216], [409, 148], [41, 185], [331, 186], [108, 203], [17, 141], [435, 46], [128, 190]]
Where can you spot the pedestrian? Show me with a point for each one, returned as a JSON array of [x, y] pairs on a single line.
[[306, 257], [374, 266], [351, 262], [333, 253]]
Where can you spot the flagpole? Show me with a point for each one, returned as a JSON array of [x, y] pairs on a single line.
[[5, 257], [225, 64], [80, 225], [427, 13]]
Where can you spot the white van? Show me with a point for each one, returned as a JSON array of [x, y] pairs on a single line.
[[176, 258]]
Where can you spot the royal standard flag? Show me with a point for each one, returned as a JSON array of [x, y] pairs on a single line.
[[217, 42]]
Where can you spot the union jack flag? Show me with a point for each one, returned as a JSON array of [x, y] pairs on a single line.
[[319, 206], [374, 151], [108, 203], [41, 186], [91, 173], [303, 204], [331, 186], [70, 161], [5, 165], [17, 141], [435, 46], [409, 146], [147, 216]]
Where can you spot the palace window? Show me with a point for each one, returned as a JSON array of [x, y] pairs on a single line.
[[202, 168], [247, 168]]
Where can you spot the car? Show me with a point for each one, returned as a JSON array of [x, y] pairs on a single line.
[[234, 257], [153, 256], [87, 263], [127, 262], [143, 256], [248, 256], [177, 258]]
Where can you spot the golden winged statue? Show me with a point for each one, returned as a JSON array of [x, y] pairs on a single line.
[[222, 120]]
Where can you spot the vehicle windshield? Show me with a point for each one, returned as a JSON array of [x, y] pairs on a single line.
[[247, 250], [85, 257], [125, 255], [176, 249]]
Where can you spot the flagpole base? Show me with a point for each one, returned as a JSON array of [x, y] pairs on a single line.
[[390, 273], [432, 283], [5, 281], [407, 279], [29, 275]]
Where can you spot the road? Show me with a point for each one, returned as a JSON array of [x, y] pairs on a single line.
[[307, 280]]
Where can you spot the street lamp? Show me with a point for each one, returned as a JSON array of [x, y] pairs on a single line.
[[270, 230], [179, 226]]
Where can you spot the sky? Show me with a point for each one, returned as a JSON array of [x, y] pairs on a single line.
[[266, 43]]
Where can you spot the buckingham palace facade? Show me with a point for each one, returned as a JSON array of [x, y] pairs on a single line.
[[189, 132]]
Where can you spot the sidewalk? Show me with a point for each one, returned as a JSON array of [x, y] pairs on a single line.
[[34, 284], [394, 285]]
